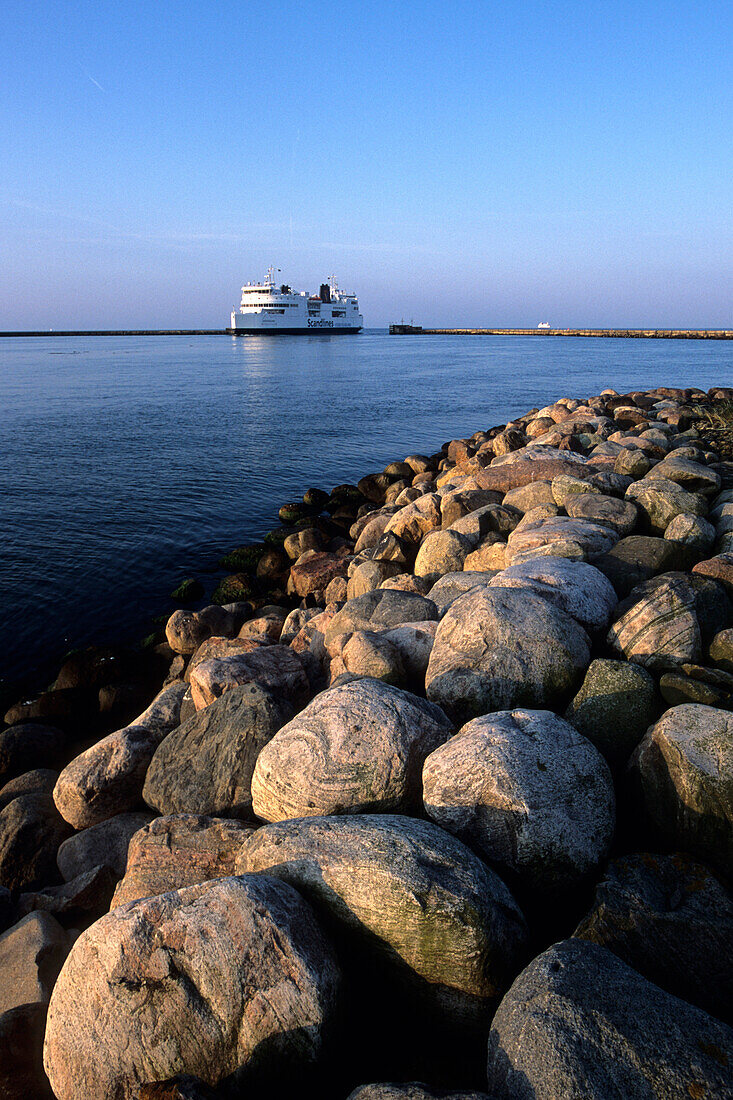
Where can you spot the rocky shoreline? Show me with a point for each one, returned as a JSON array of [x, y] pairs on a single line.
[[438, 789]]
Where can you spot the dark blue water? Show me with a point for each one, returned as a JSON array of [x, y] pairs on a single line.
[[129, 463]]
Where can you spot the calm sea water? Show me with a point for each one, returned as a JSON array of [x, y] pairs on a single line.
[[127, 464]]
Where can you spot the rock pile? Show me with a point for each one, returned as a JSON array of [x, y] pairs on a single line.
[[437, 802]]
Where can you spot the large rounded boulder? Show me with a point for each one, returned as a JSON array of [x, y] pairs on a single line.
[[205, 766], [683, 774], [575, 587], [107, 779], [580, 1024], [615, 706], [356, 748], [529, 793], [672, 920], [31, 831], [407, 890], [503, 647], [209, 980]]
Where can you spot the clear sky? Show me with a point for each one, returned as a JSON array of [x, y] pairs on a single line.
[[455, 163]]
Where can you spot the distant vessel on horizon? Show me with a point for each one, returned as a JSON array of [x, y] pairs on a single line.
[[544, 324], [266, 308]]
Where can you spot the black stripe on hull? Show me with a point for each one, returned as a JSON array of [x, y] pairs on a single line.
[[293, 331]]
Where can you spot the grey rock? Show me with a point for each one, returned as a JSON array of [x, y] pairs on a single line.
[[683, 772], [185, 632], [32, 953], [107, 779], [29, 745], [21, 1053], [694, 533], [412, 1090], [368, 653], [369, 575], [580, 1024], [205, 766], [720, 649], [493, 519], [355, 748], [39, 781], [274, 667], [207, 981], [295, 622], [414, 643], [635, 559], [615, 706], [561, 536], [529, 793], [529, 496], [620, 515], [659, 500], [447, 590], [692, 476], [381, 609], [669, 918], [442, 552], [574, 587], [103, 845], [500, 647], [565, 487], [31, 830], [658, 626], [632, 462], [463, 502], [415, 520], [6, 908], [409, 891], [80, 901]]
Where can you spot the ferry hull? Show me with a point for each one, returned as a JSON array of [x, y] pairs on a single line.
[[294, 331]]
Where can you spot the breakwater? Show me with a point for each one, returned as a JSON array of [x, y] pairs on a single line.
[[445, 765], [123, 332], [622, 333]]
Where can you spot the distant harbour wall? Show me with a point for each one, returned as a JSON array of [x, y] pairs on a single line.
[[124, 332], [625, 333]]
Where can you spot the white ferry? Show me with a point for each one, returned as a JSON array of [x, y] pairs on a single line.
[[268, 308]]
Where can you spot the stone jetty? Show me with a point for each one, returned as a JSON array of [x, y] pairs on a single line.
[[434, 800]]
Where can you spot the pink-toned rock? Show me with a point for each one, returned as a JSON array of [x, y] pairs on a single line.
[[220, 648], [660, 629], [185, 632], [265, 626], [275, 667], [559, 536], [720, 568], [366, 653], [176, 851], [415, 520], [356, 748], [407, 582], [201, 981], [511, 475], [316, 573]]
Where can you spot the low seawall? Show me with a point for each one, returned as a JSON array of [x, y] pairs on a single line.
[[624, 333], [125, 332]]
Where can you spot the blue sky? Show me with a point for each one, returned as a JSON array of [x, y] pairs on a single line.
[[456, 163]]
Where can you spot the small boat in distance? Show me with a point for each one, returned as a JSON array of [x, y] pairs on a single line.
[[267, 308], [544, 324]]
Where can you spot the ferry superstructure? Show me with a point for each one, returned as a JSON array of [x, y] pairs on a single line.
[[269, 308]]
